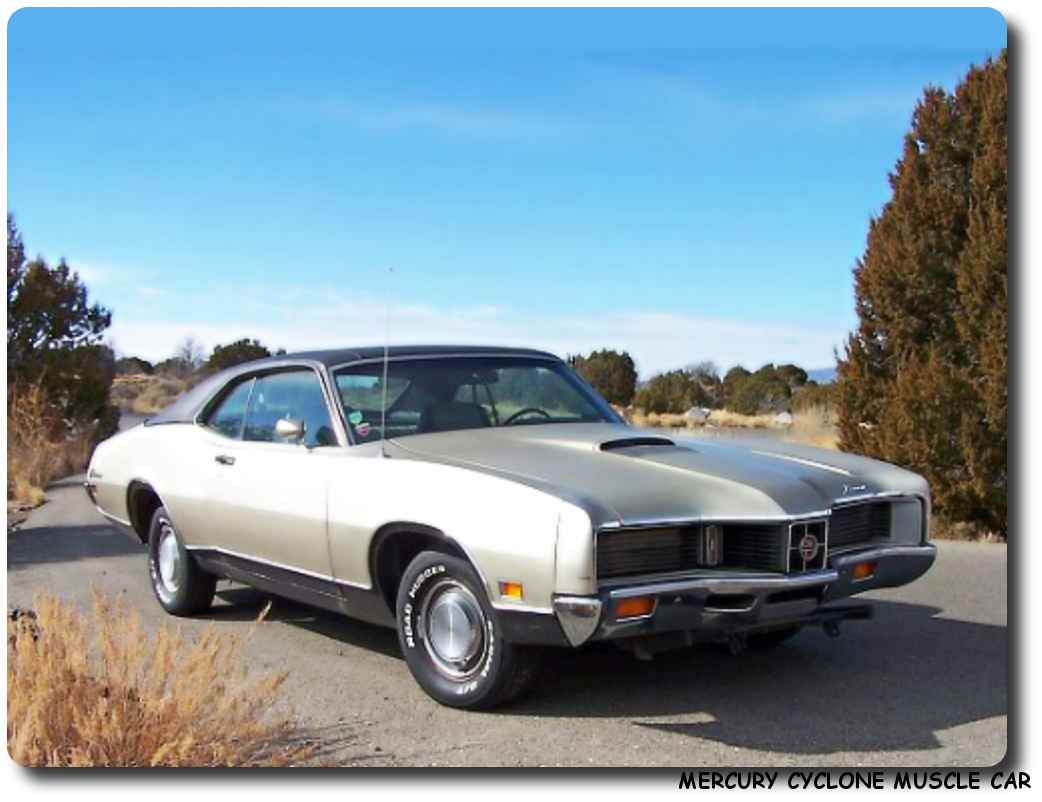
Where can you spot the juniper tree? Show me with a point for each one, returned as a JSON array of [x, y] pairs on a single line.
[[923, 377], [612, 373], [54, 338]]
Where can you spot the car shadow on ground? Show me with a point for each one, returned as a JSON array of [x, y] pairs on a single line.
[[888, 684], [55, 544], [239, 603]]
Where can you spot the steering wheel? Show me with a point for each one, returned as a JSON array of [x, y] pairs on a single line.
[[526, 411]]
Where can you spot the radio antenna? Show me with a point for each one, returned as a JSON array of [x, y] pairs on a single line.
[[387, 350]]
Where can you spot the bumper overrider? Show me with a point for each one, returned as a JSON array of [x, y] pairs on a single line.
[[716, 606]]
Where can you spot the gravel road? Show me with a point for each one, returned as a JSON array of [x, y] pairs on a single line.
[[924, 683]]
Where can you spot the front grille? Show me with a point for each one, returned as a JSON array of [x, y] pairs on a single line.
[[760, 547], [646, 551], [746, 546], [660, 550], [859, 523]]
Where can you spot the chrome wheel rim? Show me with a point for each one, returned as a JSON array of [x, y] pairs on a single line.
[[169, 558], [454, 630]]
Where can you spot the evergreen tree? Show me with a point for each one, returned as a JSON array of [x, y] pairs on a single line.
[[923, 379], [675, 391], [611, 373], [244, 350], [54, 338]]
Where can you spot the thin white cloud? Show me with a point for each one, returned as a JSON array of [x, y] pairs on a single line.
[[657, 341], [639, 97], [477, 120], [860, 104], [685, 99]]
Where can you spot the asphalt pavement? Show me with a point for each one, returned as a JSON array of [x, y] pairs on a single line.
[[922, 684]]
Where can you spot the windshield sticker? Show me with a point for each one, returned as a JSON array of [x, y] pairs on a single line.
[[362, 429], [355, 418]]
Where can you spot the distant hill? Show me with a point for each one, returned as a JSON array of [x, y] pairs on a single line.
[[822, 375]]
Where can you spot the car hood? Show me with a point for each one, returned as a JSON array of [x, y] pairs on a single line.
[[622, 475]]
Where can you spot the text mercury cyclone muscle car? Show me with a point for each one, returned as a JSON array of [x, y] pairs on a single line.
[[486, 502]]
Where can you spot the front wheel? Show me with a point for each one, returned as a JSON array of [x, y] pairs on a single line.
[[450, 638], [180, 585]]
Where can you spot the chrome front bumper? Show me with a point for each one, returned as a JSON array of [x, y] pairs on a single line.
[[723, 603]]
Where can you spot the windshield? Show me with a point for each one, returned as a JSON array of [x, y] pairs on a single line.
[[448, 394]]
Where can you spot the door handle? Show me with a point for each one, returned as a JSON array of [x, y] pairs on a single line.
[[224, 459]]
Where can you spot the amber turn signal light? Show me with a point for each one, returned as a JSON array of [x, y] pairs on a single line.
[[512, 590], [635, 607], [864, 570]]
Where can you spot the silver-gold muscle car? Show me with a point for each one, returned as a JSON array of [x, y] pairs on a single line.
[[486, 502]]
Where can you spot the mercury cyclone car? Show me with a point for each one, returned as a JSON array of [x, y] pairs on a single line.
[[487, 503]]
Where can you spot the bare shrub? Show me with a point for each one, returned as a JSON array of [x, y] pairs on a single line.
[[96, 691], [146, 394], [39, 449]]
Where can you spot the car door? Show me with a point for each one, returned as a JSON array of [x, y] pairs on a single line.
[[268, 500]]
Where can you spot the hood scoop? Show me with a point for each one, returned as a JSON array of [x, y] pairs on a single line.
[[632, 442]]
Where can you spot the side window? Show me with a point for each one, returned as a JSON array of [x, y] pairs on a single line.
[[293, 394], [361, 395], [228, 415], [364, 391]]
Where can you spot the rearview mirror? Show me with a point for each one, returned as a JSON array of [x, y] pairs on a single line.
[[289, 429]]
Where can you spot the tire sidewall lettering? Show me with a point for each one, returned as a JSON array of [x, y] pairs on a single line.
[[410, 635], [472, 685], [407, 626], [408, 610], [426, 574]]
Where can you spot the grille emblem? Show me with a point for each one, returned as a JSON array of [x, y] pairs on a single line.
[[808, 547], [711, 545]]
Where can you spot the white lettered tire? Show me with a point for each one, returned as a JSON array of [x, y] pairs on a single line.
[[451, 640]]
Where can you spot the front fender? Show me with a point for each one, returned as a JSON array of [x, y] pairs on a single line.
[[507, 530]]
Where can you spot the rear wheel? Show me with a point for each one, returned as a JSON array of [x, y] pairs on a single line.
[[180, 585], [450, 638]]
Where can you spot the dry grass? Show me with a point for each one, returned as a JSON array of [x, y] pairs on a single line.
[[735, 420], [38, 447], [667, 420], [943, 529], [814, 426], [718, 418], [96, 691], [145, 395]]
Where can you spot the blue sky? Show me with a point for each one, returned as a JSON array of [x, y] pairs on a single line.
[[689, 184]]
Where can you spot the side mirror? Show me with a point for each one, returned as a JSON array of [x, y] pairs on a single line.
[[289, 429]]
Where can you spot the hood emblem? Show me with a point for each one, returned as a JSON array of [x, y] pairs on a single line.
[[854, 489], [808, 547]]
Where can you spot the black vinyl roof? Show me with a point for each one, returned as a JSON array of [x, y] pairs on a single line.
[[185, 408], [339, 356]]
